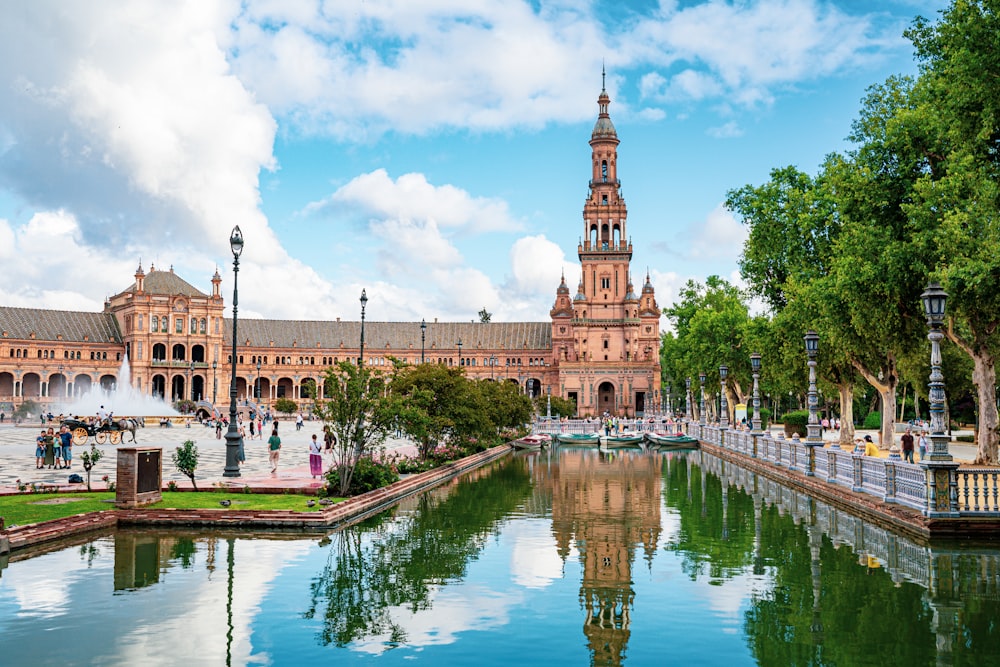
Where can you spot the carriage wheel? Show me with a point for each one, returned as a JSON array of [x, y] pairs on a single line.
[[101, 437], [80, 436], [116, 437]]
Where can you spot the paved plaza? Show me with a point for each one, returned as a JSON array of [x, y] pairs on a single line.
[[17, 457]]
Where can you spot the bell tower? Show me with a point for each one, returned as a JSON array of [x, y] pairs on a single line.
[[613, 336]]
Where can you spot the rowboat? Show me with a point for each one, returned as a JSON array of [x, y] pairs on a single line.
[[674, 440], [533, 441], [580, 439], [622, 441]]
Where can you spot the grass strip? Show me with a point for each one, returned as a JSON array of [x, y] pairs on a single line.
[[28, 508]]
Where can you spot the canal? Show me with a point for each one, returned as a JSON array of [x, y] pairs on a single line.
[[571, 557]]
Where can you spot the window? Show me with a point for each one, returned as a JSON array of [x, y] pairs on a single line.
[[164, 324], [605, 345], [203, 325], [605, 283], [139, 328], [194, 325], [604, 170], [179, 325]]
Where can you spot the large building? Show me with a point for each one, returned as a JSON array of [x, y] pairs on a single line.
[[601, 347]]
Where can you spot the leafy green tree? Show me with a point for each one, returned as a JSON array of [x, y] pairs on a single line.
[[285, 406], [185, 459], [361, 412], [559, 406], [309, 388], [507, 407], [90, 459], [485, 316]]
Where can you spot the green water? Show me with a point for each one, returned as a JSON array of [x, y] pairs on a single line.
[[569, 558]]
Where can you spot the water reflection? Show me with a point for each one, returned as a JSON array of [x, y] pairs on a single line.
[[571, 557]]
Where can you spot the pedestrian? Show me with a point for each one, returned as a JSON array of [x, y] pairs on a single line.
[[315, 457], [48, 439], [260, 427], [298, 422], [40, 450], [57, 448], [253, 427], [859, 446], [923, 443], [274, 449], [328, 439], [67, 446], [907, 445], [218, 429], [871, 449]]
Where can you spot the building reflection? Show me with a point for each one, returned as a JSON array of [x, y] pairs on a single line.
[[607, 505]]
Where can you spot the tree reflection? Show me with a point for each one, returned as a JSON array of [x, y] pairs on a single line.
[[389, 562]]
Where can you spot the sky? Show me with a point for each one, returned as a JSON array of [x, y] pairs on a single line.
[[431, 152]]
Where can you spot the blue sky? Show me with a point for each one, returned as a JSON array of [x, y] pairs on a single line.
[[433, 152]]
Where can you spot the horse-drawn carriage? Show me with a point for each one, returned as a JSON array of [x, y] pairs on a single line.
[[112, 430]]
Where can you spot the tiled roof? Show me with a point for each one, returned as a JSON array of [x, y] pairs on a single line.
[[20, 323], [166, 282], [394, 335]]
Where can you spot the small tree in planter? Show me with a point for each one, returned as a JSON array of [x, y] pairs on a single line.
[[795, 422], [186, 460], [285, 405], [90, 459]]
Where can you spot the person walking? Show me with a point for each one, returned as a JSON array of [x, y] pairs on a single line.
[[923, 444], [907, 445], [274, 450], [315, 457], [48, 440]]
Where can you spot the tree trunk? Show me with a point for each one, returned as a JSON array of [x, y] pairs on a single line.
[[887, 391], [984, 376], [846, 390]]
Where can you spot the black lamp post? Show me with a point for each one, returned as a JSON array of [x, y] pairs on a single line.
[[701, 406], [215, 384], [364, 302], [755, 423], [234, 441], [493, 363], [256, 391], [459, 352], [423, 332], [723, 406], [191, 381], [935, 299], [812, 427]]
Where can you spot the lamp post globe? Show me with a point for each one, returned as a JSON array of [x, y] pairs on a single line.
[[234, 441]]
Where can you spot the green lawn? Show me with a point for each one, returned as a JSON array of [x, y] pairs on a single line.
[[29, 508]]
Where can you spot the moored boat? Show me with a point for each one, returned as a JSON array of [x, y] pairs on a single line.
[[668, 440], [582, 439], [533, 441], [622, 441]]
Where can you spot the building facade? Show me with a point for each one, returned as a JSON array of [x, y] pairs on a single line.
[[600, 348]]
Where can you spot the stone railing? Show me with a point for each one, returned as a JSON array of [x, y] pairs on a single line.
[[964, 492]]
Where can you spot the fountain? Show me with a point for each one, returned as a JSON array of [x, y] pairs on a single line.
[[122, 400]]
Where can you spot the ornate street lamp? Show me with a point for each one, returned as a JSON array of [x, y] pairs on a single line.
[[701, 405], [755, 368], [687, 399], [493, 363], [723, 407], [364, 302], [812, 428], [191, 381], [256, 384], [460, 352], [423, 333], [940, 501], [215, 385], [234, 441], [667, 401]]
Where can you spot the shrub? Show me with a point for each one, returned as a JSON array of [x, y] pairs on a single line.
[[965, 438], [408, 466], [368, 474], [873, 421], [285, 405], [795, 422]]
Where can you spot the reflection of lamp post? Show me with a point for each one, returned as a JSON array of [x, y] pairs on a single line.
[[215, 384], [755, 367], [812, 428], [256, 391], [364, 302], [423, 333], [459, 352], [723, 407], [701, 408], [234, 441]]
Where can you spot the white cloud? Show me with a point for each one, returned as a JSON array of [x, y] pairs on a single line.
[[726, 131], [719, 236]]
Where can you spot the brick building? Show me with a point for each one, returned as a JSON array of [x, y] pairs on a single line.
[[601, 347]]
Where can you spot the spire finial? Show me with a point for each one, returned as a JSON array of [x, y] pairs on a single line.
[[603, 87]]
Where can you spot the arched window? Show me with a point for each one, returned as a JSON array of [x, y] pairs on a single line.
[[203, 325], [194, 325], [604, 170]]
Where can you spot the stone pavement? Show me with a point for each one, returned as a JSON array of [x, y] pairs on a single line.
[[17, 458]]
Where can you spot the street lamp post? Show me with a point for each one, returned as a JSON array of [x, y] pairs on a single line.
[[215, 384], [687, 399], [668, 411], [812, 428], [755, 423], [191, 381], [493, 363], [234, 441], [940, 502], [459, 352], [364, 302], [723, 407], [423, 333], [256, 384], [701, 405]]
